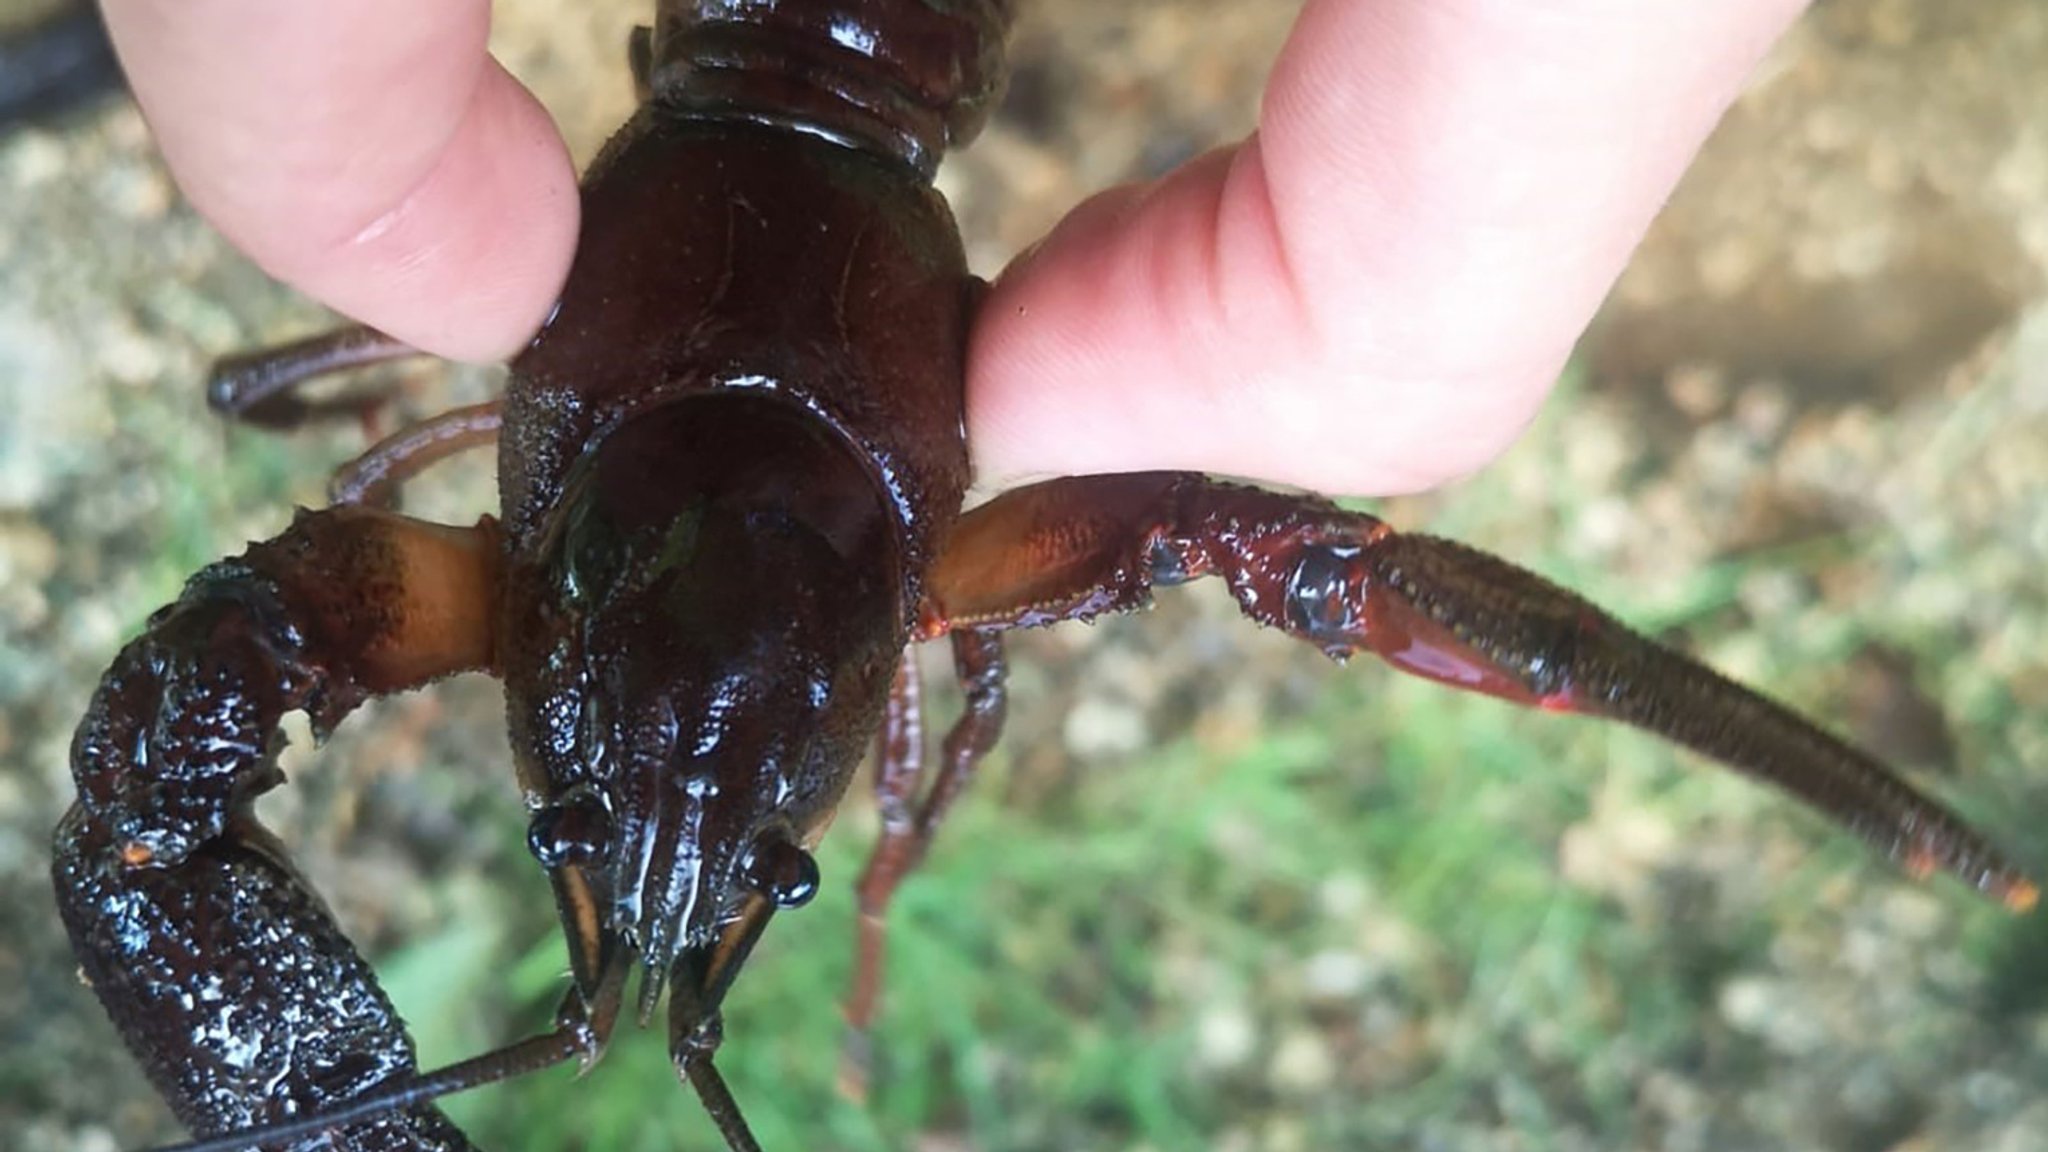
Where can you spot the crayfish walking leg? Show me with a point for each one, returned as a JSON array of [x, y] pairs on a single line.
[[909, 821], [264, 388]]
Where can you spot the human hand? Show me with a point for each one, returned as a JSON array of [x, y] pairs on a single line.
[[1370, 296], [1375, 292], [369, 153]]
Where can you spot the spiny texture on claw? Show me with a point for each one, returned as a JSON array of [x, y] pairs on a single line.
[[236, 991], [1456, 614], [180, 730]]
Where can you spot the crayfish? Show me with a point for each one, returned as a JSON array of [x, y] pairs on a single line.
[[732, 476]]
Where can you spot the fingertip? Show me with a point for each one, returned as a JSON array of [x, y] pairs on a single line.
[[467, 264], [371, 154]]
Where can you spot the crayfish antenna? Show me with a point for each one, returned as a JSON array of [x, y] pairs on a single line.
[[696, 1028], [565, 1042], [723, 1109]]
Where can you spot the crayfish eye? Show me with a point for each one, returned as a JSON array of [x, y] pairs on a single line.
[[571, 830], [783, 872]]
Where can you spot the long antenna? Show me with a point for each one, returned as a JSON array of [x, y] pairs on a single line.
[[696, 1027], [718, 1101], [517, 1059]]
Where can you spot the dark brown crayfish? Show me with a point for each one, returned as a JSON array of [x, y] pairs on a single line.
[[732, 473]]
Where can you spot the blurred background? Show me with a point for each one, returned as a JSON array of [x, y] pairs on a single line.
[[1214, 892]]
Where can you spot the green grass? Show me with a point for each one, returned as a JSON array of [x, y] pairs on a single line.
[[213, 478]]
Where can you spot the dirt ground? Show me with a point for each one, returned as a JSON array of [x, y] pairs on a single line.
[[1831, 352]]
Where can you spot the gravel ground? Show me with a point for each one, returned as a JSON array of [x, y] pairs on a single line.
[[1831, 353]]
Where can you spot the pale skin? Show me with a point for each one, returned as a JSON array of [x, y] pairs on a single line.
[[1370, 295]]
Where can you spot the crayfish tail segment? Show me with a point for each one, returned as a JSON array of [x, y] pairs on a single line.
[[1074, 548], [235, 990]]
